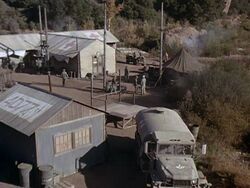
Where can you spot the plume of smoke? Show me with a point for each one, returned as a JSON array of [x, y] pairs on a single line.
[[213, 34]]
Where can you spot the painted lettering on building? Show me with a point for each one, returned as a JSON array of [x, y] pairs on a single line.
[[24, 106]]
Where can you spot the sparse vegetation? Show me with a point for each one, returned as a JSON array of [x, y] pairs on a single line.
[[135, 22], [227, 37], [221, 105]]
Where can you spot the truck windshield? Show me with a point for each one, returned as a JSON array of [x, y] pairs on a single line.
[[175, 149]]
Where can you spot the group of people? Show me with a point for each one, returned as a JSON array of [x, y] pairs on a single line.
[[137, 86], [141, 86]]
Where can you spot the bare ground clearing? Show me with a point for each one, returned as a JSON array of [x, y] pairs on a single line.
[[120, 169]]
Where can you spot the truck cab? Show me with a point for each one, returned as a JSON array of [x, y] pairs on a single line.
[[165, 149]]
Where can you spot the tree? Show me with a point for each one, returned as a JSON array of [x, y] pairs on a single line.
[[112, 9], [195, 11]]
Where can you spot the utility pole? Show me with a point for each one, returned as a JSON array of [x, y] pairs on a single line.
[[104, 43], [162, 29], [46, 58], [161, 55], [41, 25]]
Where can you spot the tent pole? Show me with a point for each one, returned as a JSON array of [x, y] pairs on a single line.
[[78, 60]]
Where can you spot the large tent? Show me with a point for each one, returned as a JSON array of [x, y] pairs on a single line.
[[77, 51], [79, 54], [183, 62]]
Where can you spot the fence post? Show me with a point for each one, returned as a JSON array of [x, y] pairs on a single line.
[[120, 88], [91, 90], [133, 98], [50, 87], [106, 98]]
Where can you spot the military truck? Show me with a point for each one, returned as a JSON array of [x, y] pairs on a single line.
[[134, 58], [165, 150]]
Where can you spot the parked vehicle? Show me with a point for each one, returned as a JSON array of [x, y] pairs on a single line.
[[134, 58], [165, 149]]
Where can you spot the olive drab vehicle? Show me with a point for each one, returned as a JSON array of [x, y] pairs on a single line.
[[135, 58], [165, 148]]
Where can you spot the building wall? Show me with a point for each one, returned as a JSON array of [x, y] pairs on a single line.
[[94, 48], [67, 163], [17, 146], [71, 112]]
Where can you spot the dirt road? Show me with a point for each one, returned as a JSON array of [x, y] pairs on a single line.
[[120, 169]]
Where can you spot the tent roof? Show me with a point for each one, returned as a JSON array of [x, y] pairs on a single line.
[[184, 62], [31, 41], [17, 42], [67, 46], [89, 34]]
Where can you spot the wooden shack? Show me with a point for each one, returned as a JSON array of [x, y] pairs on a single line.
[[41, 128]]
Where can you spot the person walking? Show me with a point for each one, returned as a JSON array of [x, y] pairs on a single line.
[[126, 74], [143, 85], [64, 77]]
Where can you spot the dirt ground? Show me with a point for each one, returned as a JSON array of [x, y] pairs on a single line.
[[120, 169]]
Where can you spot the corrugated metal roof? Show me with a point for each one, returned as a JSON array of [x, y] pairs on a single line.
[[90, 34], [25, 108], [20, 53], [67, 46], [31, 41], [21, 41]]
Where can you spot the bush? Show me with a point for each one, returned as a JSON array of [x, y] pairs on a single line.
[[221, 106], [140, 34]]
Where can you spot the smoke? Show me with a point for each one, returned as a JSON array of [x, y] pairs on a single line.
[[66, 23], [212, 35]]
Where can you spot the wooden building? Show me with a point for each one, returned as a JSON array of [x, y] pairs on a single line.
[[41, 128]]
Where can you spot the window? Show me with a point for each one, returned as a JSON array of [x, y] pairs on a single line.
[[183, 150], [82, 137], [71, 140], [175, 149], [63, 142], [166, 149]]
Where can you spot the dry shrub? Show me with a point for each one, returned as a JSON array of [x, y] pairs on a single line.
[[229, 163], [135, 33], [221, 98], [221, 106]]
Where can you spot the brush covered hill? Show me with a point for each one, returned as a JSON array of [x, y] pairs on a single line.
[[80, 14]]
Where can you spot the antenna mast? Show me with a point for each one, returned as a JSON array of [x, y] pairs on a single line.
[[43, 55]]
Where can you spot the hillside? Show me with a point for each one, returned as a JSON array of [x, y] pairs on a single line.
[[136, 22]]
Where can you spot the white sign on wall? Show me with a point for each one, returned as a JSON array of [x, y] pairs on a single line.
[[25, 107]]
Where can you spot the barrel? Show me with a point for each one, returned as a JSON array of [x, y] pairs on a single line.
[[195, 131], [46, 175], [24, 174]]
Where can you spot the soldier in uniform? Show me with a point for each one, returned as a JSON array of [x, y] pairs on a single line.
[[166, 56], [64, 77], [126, 74], [143, 85], [136, 83], [38, 65]]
